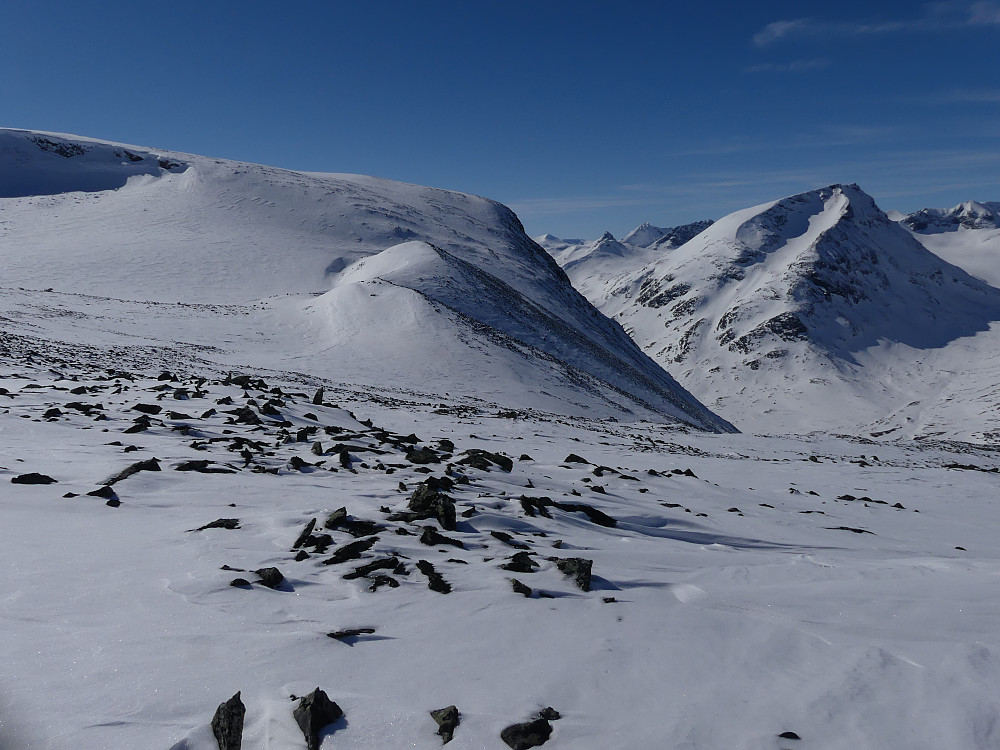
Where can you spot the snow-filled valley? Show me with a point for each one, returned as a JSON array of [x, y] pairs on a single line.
[[266, 432]]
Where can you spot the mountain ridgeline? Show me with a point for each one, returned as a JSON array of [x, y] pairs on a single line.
[[454, 298]]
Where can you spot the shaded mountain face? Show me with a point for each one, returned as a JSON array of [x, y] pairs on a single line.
[[967, 215], [786, 301], [477, 307]]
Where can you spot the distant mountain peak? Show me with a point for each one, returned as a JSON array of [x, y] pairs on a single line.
[[966, 215]]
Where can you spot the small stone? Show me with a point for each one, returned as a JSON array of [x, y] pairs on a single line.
[[572, 458], [240, 582], [520, 562], [340, 635], [435, 582], [789, 736]]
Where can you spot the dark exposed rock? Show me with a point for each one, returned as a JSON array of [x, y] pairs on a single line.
[[113, 502], [270, 577], [148, 408], [572, 458], [789, 736], [532, 505], [507, 539], [317, 398], [203, 466], [345, 459], [578, 568], [240, 583], [150, 464], [106, 492], [220, 523], [527, 735], [483, 460], [33, 478], [52, 413], [435, 582], [378, 581], [387, 563], [446, 445], [427, 502], [351, 551], [304, 535], [520, 588], [227, 724], [520, 562], [423, 456], [432, 537], [549, 714], [447, 720], [850, 528], [349, 633], [313, 713], [317, 448]]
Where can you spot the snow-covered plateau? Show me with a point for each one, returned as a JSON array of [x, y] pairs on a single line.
[[263, 432]]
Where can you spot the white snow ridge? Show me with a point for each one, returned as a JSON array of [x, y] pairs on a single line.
[[310, 461]]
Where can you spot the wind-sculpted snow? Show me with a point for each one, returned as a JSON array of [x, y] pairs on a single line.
[[775, 314], [191, 553], [260, 243]]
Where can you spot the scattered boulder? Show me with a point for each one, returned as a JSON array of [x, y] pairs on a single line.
[[313, 713], [578, 568], [220, 523], [351, 551], [305, 534], [521, 562], [429, 502], [317, 398], [341, 635], [520, 588], [433, 538], [33, 478], [242, 583], [484, 460], [227, 724], [527, 735], [789, 736], [149, 464], [507, 539], [572, 458], [270, 577], [435, 582], [148, 408], [447, 720], [386, 563], [423, 456]]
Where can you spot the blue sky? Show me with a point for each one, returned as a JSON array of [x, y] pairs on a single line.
[[582, 116]]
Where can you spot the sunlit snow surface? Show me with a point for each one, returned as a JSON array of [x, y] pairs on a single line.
[[743, 605], [729, 626]]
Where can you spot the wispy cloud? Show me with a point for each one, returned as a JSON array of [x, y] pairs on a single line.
[[795, 66], [933, 17]]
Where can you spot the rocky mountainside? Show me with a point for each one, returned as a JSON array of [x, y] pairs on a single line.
[[790, 313], [967, 215], [967, 235], [454, 296]]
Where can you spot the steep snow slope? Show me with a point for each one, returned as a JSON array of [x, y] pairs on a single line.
[[967, 235], [794, 314], [124, 225]]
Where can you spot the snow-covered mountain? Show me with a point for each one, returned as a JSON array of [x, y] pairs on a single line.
[[814, 311], [369, 281], [967, 235]]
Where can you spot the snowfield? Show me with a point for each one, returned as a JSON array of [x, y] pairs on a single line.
[[254, 439]]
